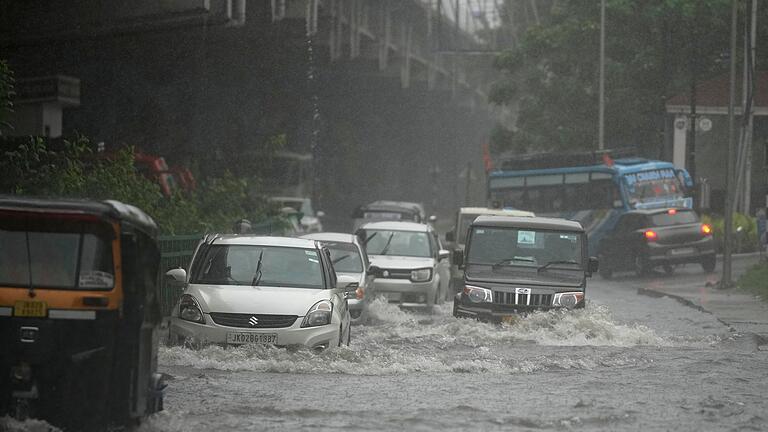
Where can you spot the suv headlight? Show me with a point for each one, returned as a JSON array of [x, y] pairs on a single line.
[[421, 275], [567, 299], [478, 294], [189, 310], [319, 314]]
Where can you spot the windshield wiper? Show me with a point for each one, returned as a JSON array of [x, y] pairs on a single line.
[[516, 258], [257, 275], [555, 262], [370, 237], [386, 246], [341, 258]]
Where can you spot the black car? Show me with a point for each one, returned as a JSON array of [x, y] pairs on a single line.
[[644, 239]]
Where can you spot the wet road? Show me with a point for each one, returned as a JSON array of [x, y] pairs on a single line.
[[626, 362]]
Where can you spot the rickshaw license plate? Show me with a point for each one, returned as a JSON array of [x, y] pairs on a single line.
[[254, 338], [510, 319], [36, 309]]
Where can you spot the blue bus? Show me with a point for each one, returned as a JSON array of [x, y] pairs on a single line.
[[579, 188]]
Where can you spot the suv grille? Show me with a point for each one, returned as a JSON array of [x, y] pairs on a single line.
[[258, 321], [396, 274], [510, 298]]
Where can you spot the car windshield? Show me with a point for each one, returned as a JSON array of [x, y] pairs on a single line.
[[345, 257], [55, 254], [525, 248], [272, 266], [398, 243], [678, 217]]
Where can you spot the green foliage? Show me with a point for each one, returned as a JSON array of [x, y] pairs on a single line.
[[6, 92], [755, 280], [76, 171], [744, 232], [653, 48]]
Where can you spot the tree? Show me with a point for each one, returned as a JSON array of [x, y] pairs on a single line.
[[551, 76], [6, 92]]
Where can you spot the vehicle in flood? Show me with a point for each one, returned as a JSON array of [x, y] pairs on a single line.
[[515, 265], [79, 312], [410, 265], [261, 290], [349, 259], [645, 239]]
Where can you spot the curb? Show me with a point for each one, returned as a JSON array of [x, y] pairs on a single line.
[[658, 294]]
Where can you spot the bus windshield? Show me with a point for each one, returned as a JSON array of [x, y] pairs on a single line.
[[652, 185]]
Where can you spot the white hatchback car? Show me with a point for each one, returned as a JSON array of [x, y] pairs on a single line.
[[264, 290], [410, 265]]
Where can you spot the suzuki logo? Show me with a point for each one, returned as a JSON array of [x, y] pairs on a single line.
[[253, 321], [385, 274], [522, 290]]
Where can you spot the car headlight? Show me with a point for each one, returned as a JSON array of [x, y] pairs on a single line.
[[189, 310], [567, 299], [421, 275], [319, 314], [478, 294]]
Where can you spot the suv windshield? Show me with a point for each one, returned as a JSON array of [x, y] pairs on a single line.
[[56, 254], [525, 248], [239, 265], [345, 257], [398, 243]]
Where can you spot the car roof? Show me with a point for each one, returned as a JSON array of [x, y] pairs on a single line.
[[528, 222], [492, 211], [331, 237], [253, 240], [396, 226], [391, 206]]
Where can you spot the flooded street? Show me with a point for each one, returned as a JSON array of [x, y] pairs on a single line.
[[626, 362]]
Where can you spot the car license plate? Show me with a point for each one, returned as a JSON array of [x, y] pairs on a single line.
[[510, 319], [24, 308], [251, 338], [681, 251]]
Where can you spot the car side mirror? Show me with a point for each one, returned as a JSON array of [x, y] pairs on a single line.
[[433, 218], [443, 254], [594, 265], [320, 214], [347, 283], [178, 275], [458, 258], [450, 237], [374, 270]]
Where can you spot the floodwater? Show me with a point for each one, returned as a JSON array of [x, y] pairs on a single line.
[[626, 362]]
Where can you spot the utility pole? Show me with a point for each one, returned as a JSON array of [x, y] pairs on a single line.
[[693, 64], [601, 114], [725, 282]]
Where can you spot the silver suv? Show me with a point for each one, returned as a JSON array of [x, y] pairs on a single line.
[[411, 267]]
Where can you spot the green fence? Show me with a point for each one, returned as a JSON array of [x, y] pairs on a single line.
[[176, 252]]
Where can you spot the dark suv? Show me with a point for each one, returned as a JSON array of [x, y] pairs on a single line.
[[644, 239], [519, 264]]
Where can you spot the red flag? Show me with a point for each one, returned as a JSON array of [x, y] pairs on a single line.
[[607, 160]]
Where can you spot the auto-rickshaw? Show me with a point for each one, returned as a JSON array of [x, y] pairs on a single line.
[[79, 312]]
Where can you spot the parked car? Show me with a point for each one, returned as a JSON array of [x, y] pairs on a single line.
[[457, 237], [410, 265], [515, 265], [310, 221], [644, 239], [264, 290], [388, 211], [349, 259]]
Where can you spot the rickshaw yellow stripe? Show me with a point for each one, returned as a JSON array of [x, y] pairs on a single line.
[[72, 314]]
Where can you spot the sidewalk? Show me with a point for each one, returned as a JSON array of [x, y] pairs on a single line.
[[741, 311]]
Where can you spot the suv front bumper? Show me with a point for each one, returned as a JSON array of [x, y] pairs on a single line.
[[405, 292]]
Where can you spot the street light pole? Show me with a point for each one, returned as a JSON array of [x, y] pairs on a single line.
[[725, 282], [601, 114]]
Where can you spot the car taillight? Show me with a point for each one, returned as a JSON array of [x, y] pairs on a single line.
[[672, 212], [650, 235], [706, 229]]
